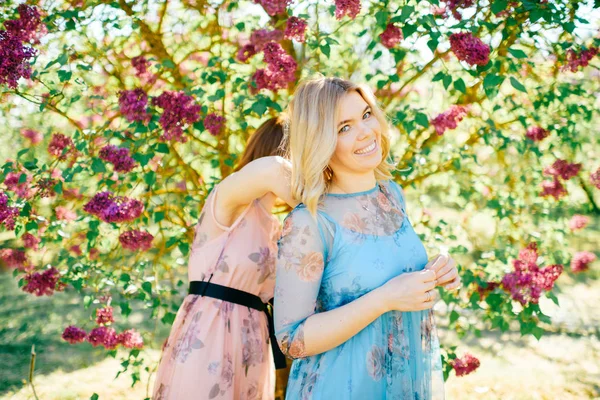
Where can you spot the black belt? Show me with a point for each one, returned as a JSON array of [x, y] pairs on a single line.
[[245, 299]]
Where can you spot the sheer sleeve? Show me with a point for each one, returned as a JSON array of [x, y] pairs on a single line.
[[300, 265]]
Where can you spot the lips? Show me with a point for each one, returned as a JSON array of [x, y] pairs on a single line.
[[367, 150]]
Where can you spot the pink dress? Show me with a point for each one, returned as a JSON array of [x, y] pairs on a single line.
[[217, 349]]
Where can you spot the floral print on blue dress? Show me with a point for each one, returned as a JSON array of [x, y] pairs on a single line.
[[356, 243]]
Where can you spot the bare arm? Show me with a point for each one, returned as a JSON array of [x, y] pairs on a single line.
[[257, 178]]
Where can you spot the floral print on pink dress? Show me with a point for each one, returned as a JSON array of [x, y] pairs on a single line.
[[220, 350]]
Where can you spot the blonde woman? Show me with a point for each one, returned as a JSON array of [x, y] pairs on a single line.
[[354, 287]]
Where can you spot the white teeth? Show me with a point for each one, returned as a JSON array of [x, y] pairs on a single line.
[[366, 149]]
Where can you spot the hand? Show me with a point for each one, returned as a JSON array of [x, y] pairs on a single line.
[[445, 270], [412, 291]]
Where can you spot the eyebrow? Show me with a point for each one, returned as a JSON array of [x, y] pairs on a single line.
[[348, 120]]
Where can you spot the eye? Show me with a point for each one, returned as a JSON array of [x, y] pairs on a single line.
[[367, 115], [344, 129]]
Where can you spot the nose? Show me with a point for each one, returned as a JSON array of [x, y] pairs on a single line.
[[365, 131]]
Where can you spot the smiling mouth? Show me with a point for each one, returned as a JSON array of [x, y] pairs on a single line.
[[367, 150]]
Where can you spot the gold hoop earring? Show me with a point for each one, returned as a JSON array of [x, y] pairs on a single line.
[[328, 173]]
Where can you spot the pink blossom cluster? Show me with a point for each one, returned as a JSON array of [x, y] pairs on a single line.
[[60, 146], [578, 222], [11, 181], [553, 188], [118, 157], [136, 240], [581, 261], [104, 336], [563, 169], [30, 241], [295, 28], [449, 119], [595, 178], [537, 133], [65, 214], [391, 36], [351, 8], [179, 110], [14, 51], [140, 64], [258, 40], [214, 123], [14, 258], [465, 365], [132, 104], [455, 5], [43, 283], [73, 334], [281, 69], [110, 208], [581, 59], [104, 316], [438, 11], [469, 48], [527, 282], [34, 137], [274, 7], [560, 169], [8, 215]]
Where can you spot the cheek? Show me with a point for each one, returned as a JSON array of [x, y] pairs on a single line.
[[344, 147]]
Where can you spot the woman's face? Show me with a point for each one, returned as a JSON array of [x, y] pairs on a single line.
[[358, 149]]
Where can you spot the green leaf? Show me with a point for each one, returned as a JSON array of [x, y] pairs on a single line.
[[150, 178], [147, 287], [259, 107], [517, 53], [168, 63], [535, 15], [517, 85], [168, 318], [447, 81], [161, 148], [382, 17], [454, 316], [406, 13], [94, 396], [97, 165], [408, 30], [64, 76], [438, 77], [159, 216], [499, 6], [422, 120], [325, 49], [459, 84]]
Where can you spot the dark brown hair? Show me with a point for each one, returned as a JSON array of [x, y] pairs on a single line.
[[265, 141]]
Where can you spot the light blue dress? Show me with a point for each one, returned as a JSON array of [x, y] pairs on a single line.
[[358, 242]]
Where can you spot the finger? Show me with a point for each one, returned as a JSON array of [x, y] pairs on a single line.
[[432, 261], [448, 277], [426, 305], [428, 275], [440, 261], [446, 268], [455, 284]]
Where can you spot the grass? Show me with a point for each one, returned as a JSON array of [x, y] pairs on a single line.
[[564, 364]]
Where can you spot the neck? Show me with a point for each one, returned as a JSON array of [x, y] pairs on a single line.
[[352, 183]]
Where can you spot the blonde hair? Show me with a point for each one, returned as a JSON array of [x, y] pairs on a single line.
[[312, 114]]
